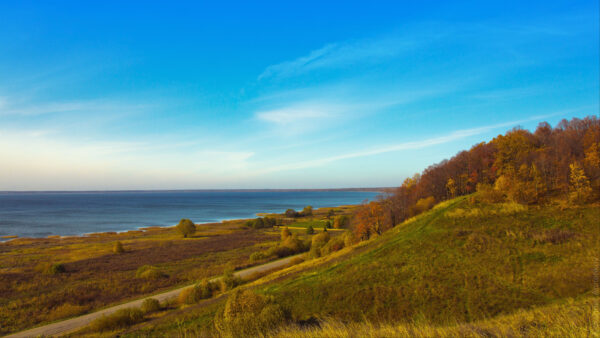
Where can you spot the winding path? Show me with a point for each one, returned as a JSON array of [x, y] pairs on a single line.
[[70, 325]]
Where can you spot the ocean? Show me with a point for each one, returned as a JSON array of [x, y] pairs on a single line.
[[40, 214]]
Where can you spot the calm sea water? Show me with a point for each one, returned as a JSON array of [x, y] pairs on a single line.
[[42, 214]]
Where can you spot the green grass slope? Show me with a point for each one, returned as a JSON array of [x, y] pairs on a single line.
[[459, 262], [463, 268]]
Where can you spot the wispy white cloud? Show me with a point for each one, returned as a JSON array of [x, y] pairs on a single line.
[[453, 136], [343, 54], [8, 108]]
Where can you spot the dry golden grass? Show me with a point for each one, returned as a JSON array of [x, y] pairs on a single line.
[[573, 319]]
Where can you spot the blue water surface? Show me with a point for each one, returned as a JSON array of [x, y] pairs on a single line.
[[39, 214]]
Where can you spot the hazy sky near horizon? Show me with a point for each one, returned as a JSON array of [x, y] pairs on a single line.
[[148, 95]]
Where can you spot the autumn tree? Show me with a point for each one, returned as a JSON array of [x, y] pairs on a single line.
[[451, 188], [580, 185]]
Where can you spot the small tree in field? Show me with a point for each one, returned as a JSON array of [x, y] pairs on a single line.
[[186, 227], [307, 211], [310, 230]]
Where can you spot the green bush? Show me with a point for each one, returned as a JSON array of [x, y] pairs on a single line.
[[229, 280], [203, 290], [310, 230], [257, 256], [150, 305], [119, 319], [149, 272], [249, 314], [186, 227]]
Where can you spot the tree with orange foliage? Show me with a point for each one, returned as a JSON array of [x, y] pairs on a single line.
[[369, 220]]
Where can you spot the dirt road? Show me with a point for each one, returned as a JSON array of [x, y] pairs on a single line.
[[76, 323]]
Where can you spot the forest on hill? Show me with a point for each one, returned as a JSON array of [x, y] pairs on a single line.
[[559, 165]]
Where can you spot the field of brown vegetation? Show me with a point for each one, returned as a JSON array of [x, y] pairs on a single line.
[[44, 280]]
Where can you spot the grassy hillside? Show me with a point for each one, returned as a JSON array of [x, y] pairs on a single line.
[[460, 262], [464, 267]]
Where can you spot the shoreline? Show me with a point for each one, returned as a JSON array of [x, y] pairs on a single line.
[[142, 229]]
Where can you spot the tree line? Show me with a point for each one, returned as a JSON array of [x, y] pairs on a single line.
[[520, 166]]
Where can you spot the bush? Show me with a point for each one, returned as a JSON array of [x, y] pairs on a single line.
[[149, 272], [285, 233], [229, 280], [66, 310], [186, 227], [291, 213], [341, 221], [150, 305], [119, 319], [488, 194], [349, 238], [56, 268], [318, 241], [203, 290], [118, 248], [307, 211], [257, 256], [310, 230], [249, 314], [328, 225], [259, 223], [333, 245]]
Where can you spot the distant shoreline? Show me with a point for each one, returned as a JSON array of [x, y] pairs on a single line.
[[372, 189]]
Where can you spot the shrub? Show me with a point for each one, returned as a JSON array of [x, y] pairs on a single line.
[[349, 238], [333, 245], [150, 305], [310, 230], [294, 244], [307, 211], [66, 310], [55, 269], [488, 194], [118, 247], [318, 241], [291, 213], [257, 256], [186, 227], [149, 272], [249, 314], [341, 221], [285, 233], [119, 319], [328, 225], [203, 290], [259, 223], [423, 204], [229, 280]]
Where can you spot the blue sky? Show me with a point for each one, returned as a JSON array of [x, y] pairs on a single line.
[[271, 95]]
